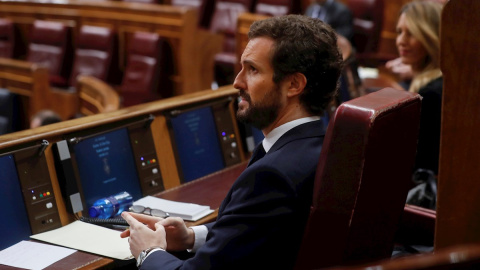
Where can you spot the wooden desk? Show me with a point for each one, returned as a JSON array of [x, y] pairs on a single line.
[[209, 190], [78, 260]]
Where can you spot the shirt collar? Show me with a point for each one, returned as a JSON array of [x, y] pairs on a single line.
[[277, 132]]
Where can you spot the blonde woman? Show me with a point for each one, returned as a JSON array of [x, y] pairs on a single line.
[[418, 44]]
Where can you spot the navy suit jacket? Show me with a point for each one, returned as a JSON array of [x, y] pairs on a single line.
[[261, 221], [338, 16]]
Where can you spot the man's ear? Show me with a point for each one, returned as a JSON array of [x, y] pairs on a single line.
[[298, 81]]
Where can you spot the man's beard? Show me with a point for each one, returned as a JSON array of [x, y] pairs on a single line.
[[262, 113]]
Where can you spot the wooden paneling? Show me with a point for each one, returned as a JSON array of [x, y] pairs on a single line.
[[390, 17], [458, 204], [241, 37], [29, 82]]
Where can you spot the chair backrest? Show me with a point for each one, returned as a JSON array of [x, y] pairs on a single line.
[[224, 20], [95, 96], [367, 24], [362, 180], [148, 68], [277, 7], [50, 45], [7, 38], [95, 53]]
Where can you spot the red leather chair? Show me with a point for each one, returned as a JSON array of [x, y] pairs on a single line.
[[7, 38], [96, 55], [277, 7], [362, 180], [224, 21], [367, 27], [50, 45], [149, 66], [204, 7]]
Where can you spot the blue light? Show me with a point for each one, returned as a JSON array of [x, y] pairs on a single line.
[[223, 133]]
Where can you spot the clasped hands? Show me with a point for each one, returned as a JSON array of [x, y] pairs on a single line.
[[146, 231]]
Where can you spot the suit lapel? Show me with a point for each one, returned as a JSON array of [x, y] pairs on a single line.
[[310, 129]]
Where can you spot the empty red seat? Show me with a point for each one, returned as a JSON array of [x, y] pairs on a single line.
[[147, 73], [96, 54], [367, 28], [224, 21], [50, 45]]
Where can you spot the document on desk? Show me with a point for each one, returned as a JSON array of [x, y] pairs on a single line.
[[90, 238], [186, 211], [31, 255]]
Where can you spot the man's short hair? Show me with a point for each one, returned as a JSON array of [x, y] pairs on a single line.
[[308, 46]]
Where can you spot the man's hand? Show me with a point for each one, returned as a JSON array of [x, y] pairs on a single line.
[[145, 219], [179, 237], [143, 236]]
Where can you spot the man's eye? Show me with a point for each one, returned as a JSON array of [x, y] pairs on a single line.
[[253, 68]]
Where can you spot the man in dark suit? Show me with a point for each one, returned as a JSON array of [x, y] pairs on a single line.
[[290, 70], [335, 13]]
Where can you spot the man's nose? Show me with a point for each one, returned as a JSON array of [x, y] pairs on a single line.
[[238, 82]]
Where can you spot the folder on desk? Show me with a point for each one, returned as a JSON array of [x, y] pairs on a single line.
[[186, 211], [90, 238]]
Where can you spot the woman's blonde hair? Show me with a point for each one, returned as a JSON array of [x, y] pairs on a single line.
[[423, 22]]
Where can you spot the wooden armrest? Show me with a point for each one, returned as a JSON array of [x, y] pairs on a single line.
[[417, 226], [96, 96]]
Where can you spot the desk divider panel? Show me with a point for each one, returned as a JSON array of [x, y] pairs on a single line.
[[205, 137], [34, 188], [134, 118], [114, 158]]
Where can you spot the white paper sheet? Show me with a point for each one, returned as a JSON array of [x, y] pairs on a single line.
[[90, 238], [39, 255]]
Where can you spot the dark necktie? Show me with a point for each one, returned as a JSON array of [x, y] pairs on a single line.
[[258, 153]]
